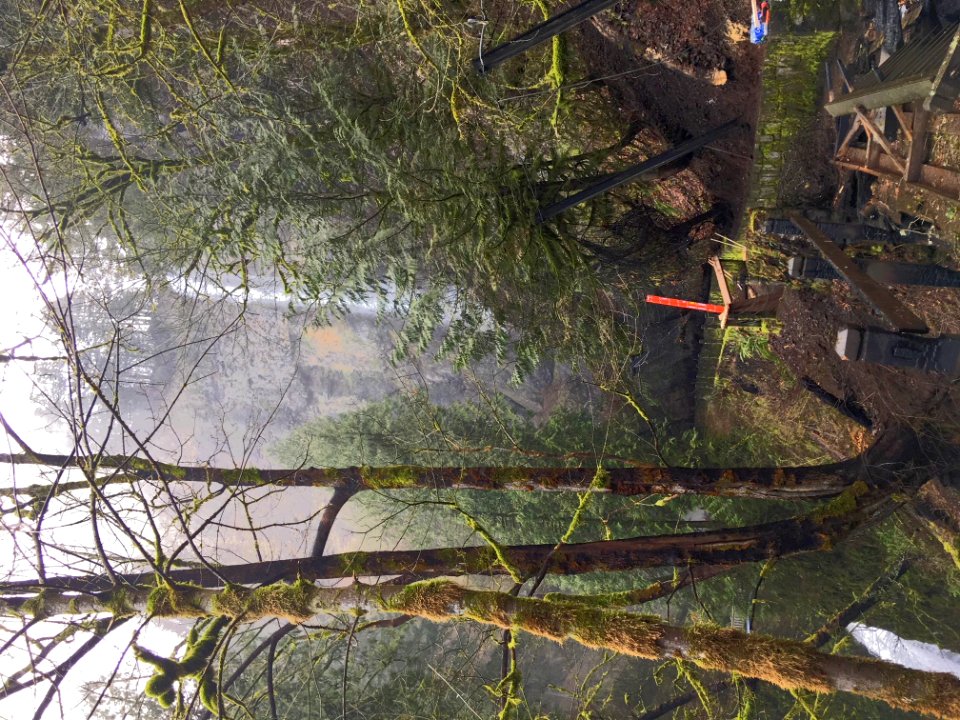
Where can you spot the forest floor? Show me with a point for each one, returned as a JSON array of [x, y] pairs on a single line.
[[758, 396], [678, 74], [812, 315], [683, 73]]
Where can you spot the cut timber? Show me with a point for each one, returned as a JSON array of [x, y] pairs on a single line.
[[487, 61], [923, 71], [939, 181], [879, 297], [844, 75], [873, 152], [918, 145], [843, 188], [904, 124], [855, 130], [721, 279], [637, 172], [908, 90], [724, 290], [876, 134]]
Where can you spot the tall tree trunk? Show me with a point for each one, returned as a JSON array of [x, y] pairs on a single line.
[[787, 664], [816, 530], [938, 507], [784, 483]]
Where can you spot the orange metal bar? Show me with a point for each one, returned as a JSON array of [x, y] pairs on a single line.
[[686, 304]]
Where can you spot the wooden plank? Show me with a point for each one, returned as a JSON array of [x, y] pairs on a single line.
[[878, 137], [846, 180], [918, 145], [941, 182], [873, 152], [854, 131], [721, 279], [889, 93], [847, 164], [904, 123], [724, 290], [487, 61], [879, 297], [844, 76]]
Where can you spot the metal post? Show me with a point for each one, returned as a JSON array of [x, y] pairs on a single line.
[[636, 172], [487, 61]]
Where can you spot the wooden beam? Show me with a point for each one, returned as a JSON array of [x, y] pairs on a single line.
[[853, 132], [876, 134], [904, 123], [925, 182], [878, 96], [724, 290], [844, 76], [721, 279], [873, 152], [843, 188], [918, 145], [879, 297]]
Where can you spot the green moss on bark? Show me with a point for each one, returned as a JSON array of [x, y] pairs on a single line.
[[293, 602], [845, 503], [391, 478], [785, 663], [167, 600]]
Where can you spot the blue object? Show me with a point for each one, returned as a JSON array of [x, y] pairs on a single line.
[[758, 31]]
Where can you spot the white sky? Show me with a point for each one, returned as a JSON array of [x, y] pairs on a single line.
[[21, 318]]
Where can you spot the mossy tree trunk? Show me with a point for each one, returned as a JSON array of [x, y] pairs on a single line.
[[787, 664], [817, 530], [783, 483], [938, 507]]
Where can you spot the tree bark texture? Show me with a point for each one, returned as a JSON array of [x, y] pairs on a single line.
[[787, 664], [787, 483], [816, 530]]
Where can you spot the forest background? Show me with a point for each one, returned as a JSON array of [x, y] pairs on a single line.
[[254, 235]]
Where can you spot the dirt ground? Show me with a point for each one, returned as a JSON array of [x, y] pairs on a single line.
[[680, 74], [683, 73], [681, 102], [811, 319], [812, 315]]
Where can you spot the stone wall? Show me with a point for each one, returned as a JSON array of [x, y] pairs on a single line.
[[792, 82], [793, 71]]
